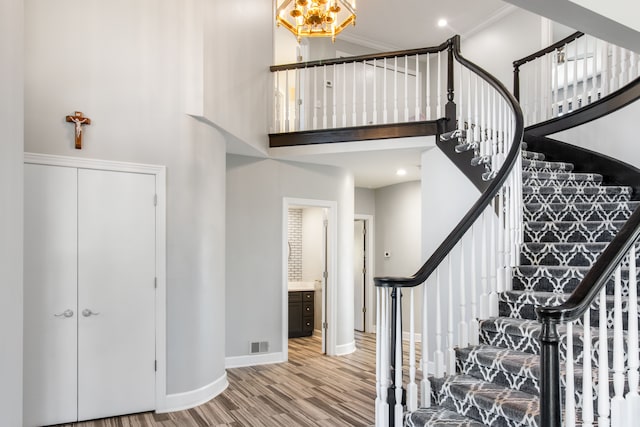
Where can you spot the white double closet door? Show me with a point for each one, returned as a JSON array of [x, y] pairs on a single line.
[[89, 316]]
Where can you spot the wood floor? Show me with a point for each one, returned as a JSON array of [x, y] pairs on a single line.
[[309, 390]]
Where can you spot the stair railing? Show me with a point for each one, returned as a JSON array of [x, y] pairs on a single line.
[[394, 87], [471, 266], [610, 351], [571, 74]]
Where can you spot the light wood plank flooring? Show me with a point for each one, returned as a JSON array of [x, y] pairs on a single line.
[[309, 390]]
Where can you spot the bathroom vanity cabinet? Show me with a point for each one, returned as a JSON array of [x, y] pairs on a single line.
[[301, 313]]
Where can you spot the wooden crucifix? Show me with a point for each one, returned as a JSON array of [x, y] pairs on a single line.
[[78, 119]]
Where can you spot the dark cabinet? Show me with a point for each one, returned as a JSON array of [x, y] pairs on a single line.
[[300, 314]]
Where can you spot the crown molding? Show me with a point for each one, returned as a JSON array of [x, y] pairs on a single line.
[[501, 13]]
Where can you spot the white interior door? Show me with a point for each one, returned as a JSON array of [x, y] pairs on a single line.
[[50, 302], [358, 274], [116, 294]]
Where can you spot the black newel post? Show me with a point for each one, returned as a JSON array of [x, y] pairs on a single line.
[[391, 391], [450, 107], [516, 81], [550, 406]]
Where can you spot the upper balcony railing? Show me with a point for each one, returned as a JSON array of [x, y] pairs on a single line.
[[570, 74], [395, 87]]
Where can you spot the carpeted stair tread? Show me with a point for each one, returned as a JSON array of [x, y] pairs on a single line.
[[522, 304], [617, 211], [523, 334], [546, 166], [437, 416], [566, 194], [558, 279], [490, 403], [568, 254], [572, 179], [571, 231]]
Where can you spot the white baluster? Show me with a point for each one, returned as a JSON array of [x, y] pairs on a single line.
[[587, 381], [334, 115], [364, 93], [324, 97], [565, 87], [438, 356], [476, 119], [395, 89], [451, 354], [276, 98], [554, 85], [484, 298], [406, 89], [412, 387], [425, 384], [463, 331], [460, 94], [287, 102], [570, 404], [344, 94], [428, 85], [618, 409], [474, 327], [603, 363], [493, 296], [398, 410], [613, 85], [375, 94], [354, 109], [439, 89], [417, 89], [604, 76], [537, 76], [382, 348], [574, 101], [633, 65], [632, 398], [315, 97], [503, 237], [585, 72], [384, 92]]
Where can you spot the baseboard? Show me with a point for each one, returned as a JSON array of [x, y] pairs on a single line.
[[317, 333], [344, 349], [254, 359], [190, 399]]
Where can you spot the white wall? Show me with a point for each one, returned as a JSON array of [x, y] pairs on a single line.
[[238, 45], [122, 64], [255, 192], [11, 190], [495, 48], [365, 201], [398, 229], [614, 135]]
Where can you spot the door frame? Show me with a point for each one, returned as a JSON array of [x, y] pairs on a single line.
[[160, 246], [369, 300], [332, 270]]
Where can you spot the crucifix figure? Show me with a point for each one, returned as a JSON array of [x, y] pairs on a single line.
[[78, 120]]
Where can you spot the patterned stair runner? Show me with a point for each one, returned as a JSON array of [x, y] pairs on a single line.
[[569, 220]]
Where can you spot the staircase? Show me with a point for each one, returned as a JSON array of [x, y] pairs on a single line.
[[569, 218]]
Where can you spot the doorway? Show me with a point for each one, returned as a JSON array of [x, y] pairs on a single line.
[[363, 274], [309, 242]]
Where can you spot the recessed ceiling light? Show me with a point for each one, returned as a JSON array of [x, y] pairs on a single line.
[[442, 23], [401, 172]]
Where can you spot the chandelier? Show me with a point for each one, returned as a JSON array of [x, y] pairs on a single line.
[[316, 18]]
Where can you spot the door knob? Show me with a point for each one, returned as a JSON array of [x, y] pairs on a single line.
[[66, 313], [87, 313]]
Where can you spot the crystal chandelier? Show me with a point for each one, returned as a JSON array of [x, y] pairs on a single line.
[[316, 18]]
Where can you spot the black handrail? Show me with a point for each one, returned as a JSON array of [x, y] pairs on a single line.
[[361, 58], [485, 198], [542, 52]]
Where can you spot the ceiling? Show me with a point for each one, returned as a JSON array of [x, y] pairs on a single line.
[[409, 24]]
